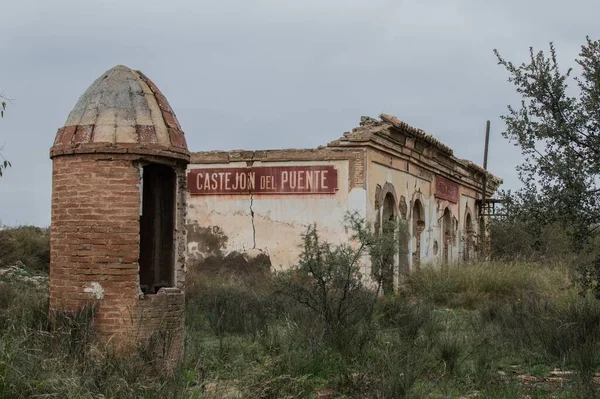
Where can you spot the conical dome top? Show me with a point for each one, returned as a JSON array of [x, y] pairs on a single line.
[[122, 111]]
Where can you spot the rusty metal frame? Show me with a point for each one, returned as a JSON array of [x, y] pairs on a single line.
[[489, 207]]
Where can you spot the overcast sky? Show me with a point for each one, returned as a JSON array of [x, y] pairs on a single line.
[[273, 73]]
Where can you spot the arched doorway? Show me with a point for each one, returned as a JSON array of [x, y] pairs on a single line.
[[468, 241], [447, 235], [388, 214], [418, 225]]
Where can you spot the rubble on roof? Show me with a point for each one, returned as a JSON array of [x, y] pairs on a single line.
[[369, 127]]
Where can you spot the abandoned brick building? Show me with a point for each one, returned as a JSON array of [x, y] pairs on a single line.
[[129, 214], [253, 202], [118, 211]]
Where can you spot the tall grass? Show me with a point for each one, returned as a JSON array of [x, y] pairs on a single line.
[[563, 330], [471, 285], [452, 332], [63, 358]]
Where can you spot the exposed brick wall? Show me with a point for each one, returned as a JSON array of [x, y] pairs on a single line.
[[160, 323], [180, 229], [94, 236], [357, 170], [94, 245]]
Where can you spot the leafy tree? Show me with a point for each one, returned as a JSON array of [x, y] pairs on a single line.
[[4, 163], [557, 128]]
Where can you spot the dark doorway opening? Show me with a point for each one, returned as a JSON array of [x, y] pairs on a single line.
[[157, 226]]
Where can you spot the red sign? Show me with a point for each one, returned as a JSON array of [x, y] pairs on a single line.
[[263, 180], [446, 189]]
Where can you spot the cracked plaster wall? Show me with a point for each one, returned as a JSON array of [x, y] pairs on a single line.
[[274, 223]]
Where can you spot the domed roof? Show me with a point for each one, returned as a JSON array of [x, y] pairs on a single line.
[[124, 112]]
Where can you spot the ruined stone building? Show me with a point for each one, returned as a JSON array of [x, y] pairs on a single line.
[[129, 214], [117, 237], [384, 169]]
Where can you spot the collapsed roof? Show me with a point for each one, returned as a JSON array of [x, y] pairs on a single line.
[[370, 128]]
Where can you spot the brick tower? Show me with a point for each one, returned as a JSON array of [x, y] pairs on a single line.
[[118, 210]]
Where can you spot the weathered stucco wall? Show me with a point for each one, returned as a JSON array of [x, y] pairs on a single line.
[[269, 223], [408, 182], [387, 170]]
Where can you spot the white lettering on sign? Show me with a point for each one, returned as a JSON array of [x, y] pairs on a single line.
[[276, 179]]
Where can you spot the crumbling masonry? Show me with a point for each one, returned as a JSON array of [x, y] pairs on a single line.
[[261, 202]]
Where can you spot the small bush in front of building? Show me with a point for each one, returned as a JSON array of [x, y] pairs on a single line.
[[230, 304], [409, 316], [328, 282], [27, 244]]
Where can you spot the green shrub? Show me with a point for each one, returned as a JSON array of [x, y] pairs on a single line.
[[229, 305], [62, 357], [523, 240], [397, 365], [27, 244], [562, 328], [22, 306], [450, 350], [328, 282], [408, 316], [483, 365], [585, 359]]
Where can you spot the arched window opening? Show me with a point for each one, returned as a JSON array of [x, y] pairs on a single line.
[[389, 209]]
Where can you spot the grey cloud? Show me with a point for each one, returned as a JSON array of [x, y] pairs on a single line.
[[273, 74]]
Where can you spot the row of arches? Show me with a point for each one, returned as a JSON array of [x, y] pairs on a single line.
[[390, 207]]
